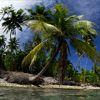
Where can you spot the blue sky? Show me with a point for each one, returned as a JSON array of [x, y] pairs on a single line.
[[91, 9]]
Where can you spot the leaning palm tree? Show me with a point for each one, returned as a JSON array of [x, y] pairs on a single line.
[[61, 29], [13, 22], [89, 39]]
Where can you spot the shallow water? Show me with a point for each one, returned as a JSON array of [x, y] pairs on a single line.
[[19, 93]]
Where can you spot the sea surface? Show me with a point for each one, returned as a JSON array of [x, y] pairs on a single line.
[[21, 93]]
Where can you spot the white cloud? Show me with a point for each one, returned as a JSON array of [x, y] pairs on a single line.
[[88, 7], [17, 4]]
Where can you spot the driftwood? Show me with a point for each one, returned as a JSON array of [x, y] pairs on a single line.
[[18, 77], [23, 78]]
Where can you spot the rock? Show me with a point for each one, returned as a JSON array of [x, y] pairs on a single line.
[[66, 82], [3, 75], [2, 80], [49, 80], [82, 85], [19, 78]]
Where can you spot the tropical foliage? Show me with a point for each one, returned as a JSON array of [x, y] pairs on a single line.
[[60, 29], [55, 31], [2, 49], [13, 21]]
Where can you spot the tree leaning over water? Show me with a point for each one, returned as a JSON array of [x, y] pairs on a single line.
[[61, 29]]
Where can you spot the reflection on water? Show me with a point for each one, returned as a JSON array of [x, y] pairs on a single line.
[[17, 93]]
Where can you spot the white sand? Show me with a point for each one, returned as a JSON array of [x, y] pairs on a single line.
[[48, 86]]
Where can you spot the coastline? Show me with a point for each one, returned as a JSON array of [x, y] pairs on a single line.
[[15, 79], [47, 86]]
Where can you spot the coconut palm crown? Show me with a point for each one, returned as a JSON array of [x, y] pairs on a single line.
[[15, 44], [63, 30]]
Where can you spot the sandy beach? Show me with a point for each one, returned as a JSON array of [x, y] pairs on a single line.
[[47, 86]]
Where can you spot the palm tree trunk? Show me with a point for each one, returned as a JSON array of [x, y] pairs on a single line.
[[76, 67], [33, 79], [0, 61], [63, 64], [85, 69], [80, 66], [11, 48]]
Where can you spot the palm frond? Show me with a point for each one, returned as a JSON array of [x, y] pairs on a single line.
[[20, 11], [85, 48], [31, 11], [42, 27], [93, 31], [74, 18], [51, 28], [83, 27], [68, 49], [84, 23], [18, 26], [30, 58], [33, 60]]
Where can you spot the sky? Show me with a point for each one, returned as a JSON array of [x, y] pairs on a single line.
[[90, 8]]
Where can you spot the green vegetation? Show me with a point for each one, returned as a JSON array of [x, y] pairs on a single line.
[[47, 53]]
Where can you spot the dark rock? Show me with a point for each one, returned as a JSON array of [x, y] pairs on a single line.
[[3, 74], [97, 85], [73, 83]]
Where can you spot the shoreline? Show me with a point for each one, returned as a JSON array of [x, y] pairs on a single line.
[[47, 86], [15, 79]]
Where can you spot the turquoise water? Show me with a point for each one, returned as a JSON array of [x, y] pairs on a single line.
[[17, 93]]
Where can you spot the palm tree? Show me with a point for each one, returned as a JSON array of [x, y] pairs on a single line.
[[2, 48], [96, 67], [6, 10], [61, 29], [40, 13], [85, 69], [13, 22], [2, 44], [81, 55], [15, 44], [2, 41], [89, 40]]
